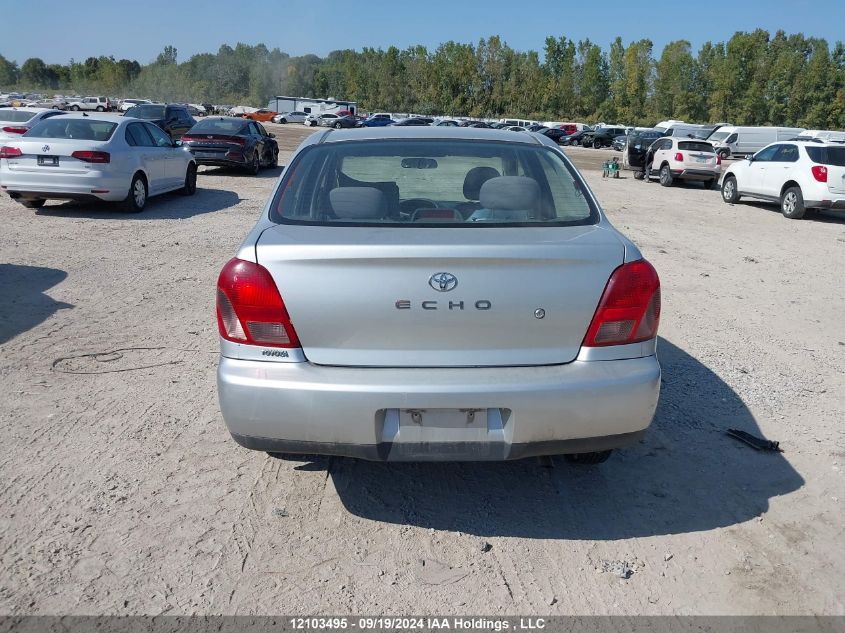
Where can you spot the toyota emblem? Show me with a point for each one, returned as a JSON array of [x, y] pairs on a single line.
[[443, 282], [46, 148]]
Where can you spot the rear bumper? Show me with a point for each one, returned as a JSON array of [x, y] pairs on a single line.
[[696, 174], [298, 407], [836, 204], [57, 186]]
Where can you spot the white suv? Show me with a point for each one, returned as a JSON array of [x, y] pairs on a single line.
[[678, 158], [91, 104], [798, 175]]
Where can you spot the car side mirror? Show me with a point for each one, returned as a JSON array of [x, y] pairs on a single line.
[[750, 159], [271, 135], [177, 142]]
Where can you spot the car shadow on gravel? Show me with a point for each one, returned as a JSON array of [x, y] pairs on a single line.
[[685, 476], [168, 206], [24, 303], [266, 172]]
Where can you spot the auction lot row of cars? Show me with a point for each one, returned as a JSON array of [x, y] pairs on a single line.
[[151, 149]]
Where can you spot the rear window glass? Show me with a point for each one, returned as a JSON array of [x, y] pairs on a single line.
[[693, 146], [66, 127], [219, 126], [16, 116], [827, 155], [146, 112], [432, 182]]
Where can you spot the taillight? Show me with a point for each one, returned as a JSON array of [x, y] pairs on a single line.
[[10, 152], [15, 130], [819, 172], [250, 309], [629, 310], [679, 157], [92, 157], [718, 159]]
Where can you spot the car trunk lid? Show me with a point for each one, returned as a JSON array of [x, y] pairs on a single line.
[[362, 296]]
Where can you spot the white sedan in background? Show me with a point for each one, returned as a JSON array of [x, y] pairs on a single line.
[[17, 121], [290, 117], [93, 157]]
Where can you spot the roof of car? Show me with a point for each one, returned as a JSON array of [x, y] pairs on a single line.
[[28, 109], [98, 116], [425, 132]]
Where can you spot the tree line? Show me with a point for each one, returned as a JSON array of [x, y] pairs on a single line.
[[752, 79]]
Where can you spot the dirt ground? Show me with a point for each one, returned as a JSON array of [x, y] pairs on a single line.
[[124, 494]]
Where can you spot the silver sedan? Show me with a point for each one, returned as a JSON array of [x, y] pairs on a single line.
[[95, 157], [436, 293]]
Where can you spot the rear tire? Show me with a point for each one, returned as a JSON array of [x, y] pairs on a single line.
[[337, 126], [729, 190], [792, 203], [724, 154], [639, 175], [275, 162], [666, 179], [587, 459], [255, 166], [36, 203], [136, 199], [190, 187], [100, 108], [75, 108]]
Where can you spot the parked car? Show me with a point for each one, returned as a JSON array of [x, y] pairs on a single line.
[[410, 368], [17, 121], [414, 121], [290, 117], [536, 128], [94, 157], [685, 159], [172, 118], [346, 121], [50, 104], [619, 142], [601, 137], [131, 103], [742, 141], [576, 138], [556, 134], [380, 119], [262, 115], [232, 142], [326, 119], [91, 104], [636, 149], [797, 175], [446, 123]]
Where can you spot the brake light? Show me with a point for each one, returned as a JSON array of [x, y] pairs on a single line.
[[92, 157], [718, 159], [15, 130], [629, 309], [10, 152], [250, 309], [679, 157], [819, 173]]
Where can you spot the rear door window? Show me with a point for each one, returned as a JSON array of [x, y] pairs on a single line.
[[834, 156], [137, 136]]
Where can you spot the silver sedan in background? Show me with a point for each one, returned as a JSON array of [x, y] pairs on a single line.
[[14, 122], [436, 293], [94, 157]]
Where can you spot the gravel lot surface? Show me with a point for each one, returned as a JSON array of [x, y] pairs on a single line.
[[124, 494]]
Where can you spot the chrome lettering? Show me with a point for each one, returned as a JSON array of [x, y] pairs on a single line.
[[483, 305], [429, 305], [456, 304]]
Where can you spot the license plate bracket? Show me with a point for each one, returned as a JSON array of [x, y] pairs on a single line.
[[48, 161]]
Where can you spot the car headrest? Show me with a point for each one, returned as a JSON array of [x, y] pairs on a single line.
[[358, 203], [476, 177], [509, 193]]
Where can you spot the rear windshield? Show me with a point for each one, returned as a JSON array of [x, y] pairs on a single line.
[[420, 182], [16, 116], [219, 126], [146, 112], [827, 155], [693, 146], [65, 127]]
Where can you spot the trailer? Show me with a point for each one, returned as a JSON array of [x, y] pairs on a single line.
[[311, 105]]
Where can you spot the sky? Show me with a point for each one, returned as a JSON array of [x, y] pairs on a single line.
[[58, 30]]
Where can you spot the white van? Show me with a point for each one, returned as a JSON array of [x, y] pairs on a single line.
[[742, 141], [688, 130], [665, 125], [831, 136]]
